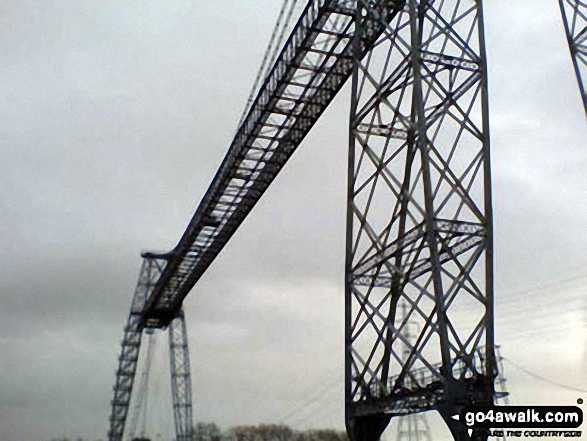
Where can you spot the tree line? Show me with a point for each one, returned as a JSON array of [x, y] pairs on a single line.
[[260, 432]]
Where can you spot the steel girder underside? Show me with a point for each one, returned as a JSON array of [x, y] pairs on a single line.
[[575, 21], [312, 68], [419, 217], [129, 359]]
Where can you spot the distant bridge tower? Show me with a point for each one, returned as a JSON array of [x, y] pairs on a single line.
[[135, 327], [575, 22], [419, 222]]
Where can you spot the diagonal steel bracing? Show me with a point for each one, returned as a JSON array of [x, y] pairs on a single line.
[[575, 21], [419, 215]]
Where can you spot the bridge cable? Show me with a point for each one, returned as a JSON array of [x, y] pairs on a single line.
[[312, 400], [544, 379], [318, 414]]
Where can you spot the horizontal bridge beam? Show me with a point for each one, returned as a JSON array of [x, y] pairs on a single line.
[[313, 66]]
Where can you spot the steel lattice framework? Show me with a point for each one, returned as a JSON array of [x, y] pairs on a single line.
[[419, 216], [128, 361], [419, 213], [575, 21]]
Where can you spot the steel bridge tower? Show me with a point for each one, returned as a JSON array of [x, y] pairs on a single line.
[[135, 327], [419, 221]]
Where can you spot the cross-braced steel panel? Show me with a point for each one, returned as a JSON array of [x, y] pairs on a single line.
[[181, 386], [575, 21], [419, 215]]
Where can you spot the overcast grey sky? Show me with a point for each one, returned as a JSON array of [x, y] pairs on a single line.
[[115, 116]]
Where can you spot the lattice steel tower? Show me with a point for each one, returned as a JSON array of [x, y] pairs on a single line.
[[419, 215], [135, 327], [412, 427]]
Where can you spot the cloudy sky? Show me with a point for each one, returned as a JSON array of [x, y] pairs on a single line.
[[115, 116]]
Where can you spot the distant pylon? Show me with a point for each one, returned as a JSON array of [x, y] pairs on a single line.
[[415, 426]]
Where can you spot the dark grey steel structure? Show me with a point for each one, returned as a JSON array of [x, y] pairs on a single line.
[[575, 21], [129, 357], [419, 216], [314, 64], [419, 205]]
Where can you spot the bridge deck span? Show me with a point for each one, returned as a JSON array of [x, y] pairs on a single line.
[[314, 64]]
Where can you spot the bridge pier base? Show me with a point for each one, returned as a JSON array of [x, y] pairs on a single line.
[[369, 428]]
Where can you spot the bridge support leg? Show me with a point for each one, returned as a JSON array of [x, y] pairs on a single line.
[[419, 215], [130, 349], [127, 367], [181, 386]]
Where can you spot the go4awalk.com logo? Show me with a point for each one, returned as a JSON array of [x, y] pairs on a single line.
[[554, 421]]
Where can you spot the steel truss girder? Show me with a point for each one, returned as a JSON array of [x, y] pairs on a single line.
[[313, 66], [574, 14], [151, 270], [419, 219]]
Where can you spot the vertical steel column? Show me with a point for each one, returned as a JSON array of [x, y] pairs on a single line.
[[575, 21], [181, 386], [419, 223], [130, 348]]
